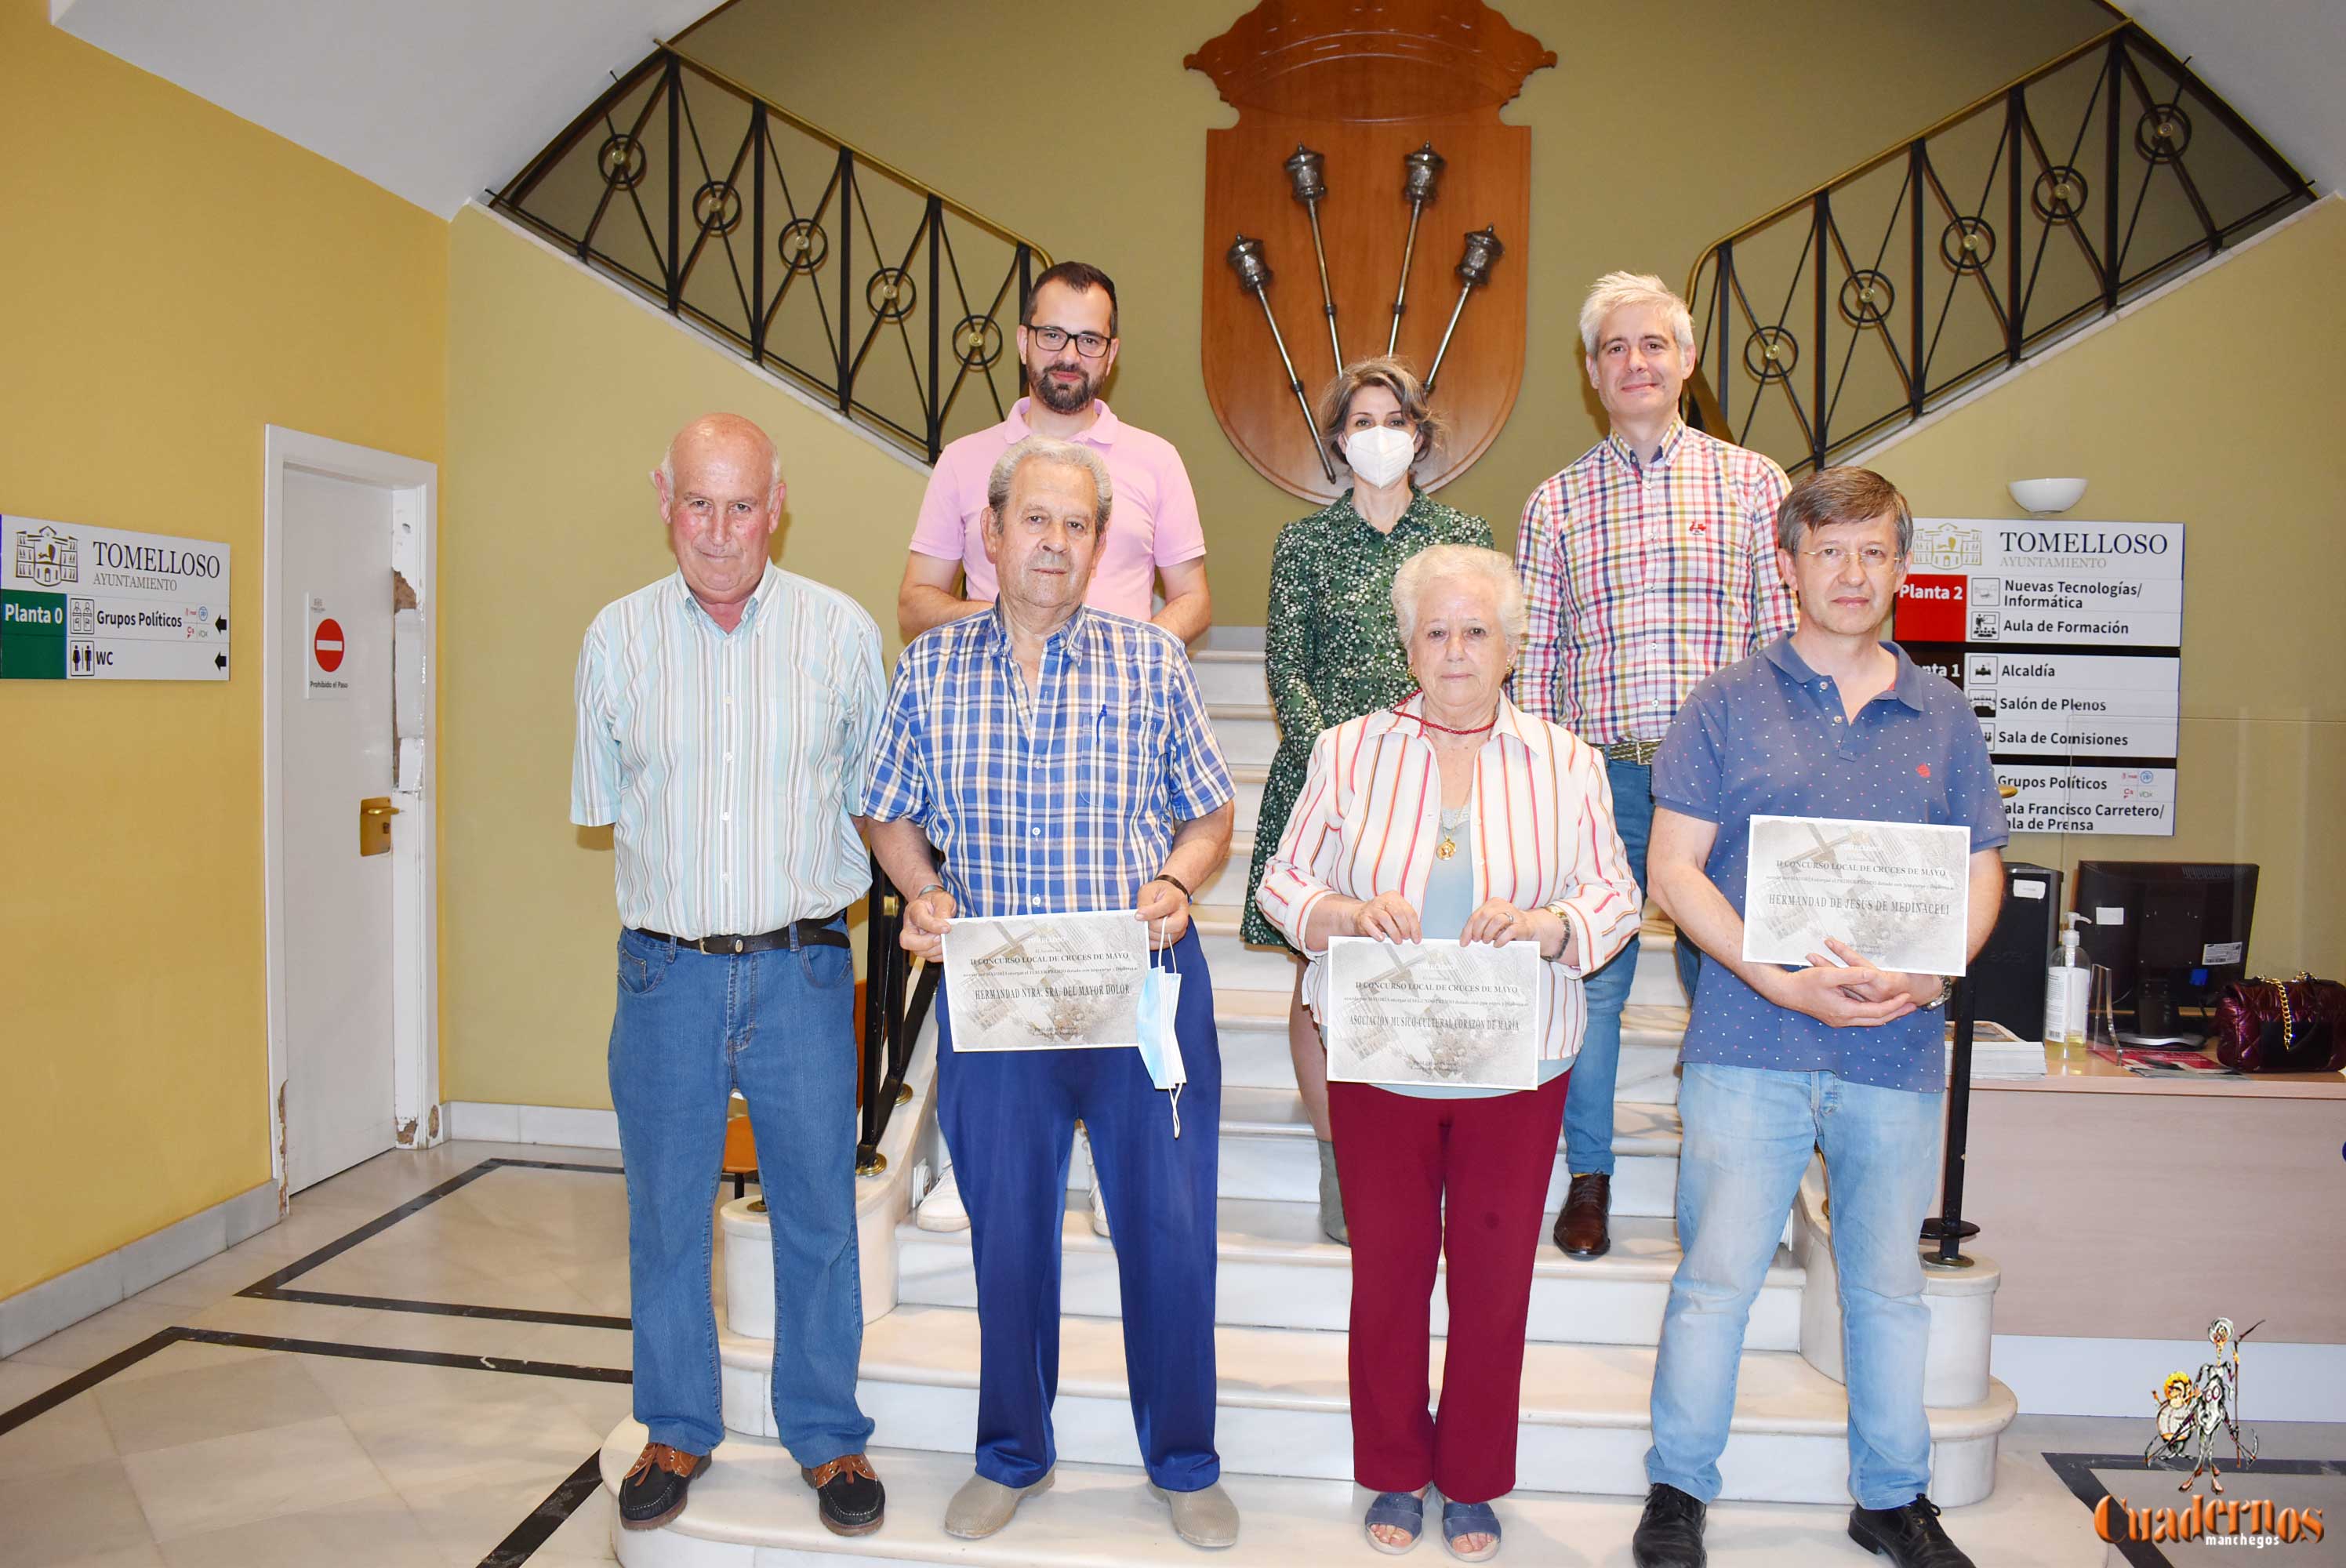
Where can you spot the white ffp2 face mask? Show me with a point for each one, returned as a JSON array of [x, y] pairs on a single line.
[[1380, 454], [1160, 1049]]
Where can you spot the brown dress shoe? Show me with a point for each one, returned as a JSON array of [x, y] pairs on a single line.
[[848, 1494], [1580, 1228], [653, 1490]]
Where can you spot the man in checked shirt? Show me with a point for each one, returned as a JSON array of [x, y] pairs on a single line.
[[1647, 565], [1059, 757]]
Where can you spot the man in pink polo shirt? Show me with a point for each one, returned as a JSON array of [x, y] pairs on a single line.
[[1067, 341]]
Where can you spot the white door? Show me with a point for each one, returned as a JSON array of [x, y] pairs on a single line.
[[335, 715]]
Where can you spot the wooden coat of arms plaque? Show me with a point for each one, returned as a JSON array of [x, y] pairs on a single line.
[[1368, 86]]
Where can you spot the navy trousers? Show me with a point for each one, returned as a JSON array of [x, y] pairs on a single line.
[[1009, 1120]]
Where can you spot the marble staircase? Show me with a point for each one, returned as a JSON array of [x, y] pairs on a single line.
[[1282, 1300]]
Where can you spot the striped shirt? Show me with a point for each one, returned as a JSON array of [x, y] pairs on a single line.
[[1367, 823], [1059, 800], [727, 762], [1641, 579]]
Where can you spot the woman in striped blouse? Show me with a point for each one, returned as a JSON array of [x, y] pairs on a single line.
[[1451, 816]]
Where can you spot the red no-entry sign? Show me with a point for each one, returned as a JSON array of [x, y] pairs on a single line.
[[326, 644]]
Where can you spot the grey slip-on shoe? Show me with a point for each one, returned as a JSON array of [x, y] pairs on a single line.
[[981, 1507], [1205, 1517]]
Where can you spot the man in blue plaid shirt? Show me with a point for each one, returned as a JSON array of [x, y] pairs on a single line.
[[1060, 759]]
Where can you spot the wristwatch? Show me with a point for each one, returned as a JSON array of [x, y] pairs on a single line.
[[1557, 910]]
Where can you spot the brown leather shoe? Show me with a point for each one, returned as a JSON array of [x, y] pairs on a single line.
[[848, 1494], [1580, 1228], [653, 1492]]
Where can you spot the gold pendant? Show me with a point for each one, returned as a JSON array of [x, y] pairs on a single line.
[[1447, 848]]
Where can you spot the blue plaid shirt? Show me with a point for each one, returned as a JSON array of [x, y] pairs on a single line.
[[1059, 799]]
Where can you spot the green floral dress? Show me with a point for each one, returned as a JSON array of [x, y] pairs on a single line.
[[1330, 652]]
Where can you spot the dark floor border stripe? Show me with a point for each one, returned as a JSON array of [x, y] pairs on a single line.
[[454, 1309], [81, 1383], [461, 1361], [548, 1517], [519, 1543], [2075, 1472], [267, 1288]]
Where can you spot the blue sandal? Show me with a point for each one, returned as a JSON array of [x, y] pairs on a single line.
[[1398, 1510], [1470, 1518]]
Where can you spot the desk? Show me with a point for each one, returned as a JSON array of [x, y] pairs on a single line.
[[2140, 1207]]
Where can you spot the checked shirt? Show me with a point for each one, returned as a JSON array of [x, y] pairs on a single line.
[[1642, 578], [1062, 799]]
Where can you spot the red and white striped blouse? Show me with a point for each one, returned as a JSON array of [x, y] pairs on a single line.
[[1368, 819]]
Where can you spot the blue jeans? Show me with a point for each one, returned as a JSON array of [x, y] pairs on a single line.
[[1748, 1132], [779, 1026], [1009, 1118], [1588, 1105]]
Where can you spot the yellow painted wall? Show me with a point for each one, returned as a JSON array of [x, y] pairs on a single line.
[[2216, 407], [171, 279], [1661, 127], [562, 393]]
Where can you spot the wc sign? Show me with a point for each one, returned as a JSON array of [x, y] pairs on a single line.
[[326, 670]]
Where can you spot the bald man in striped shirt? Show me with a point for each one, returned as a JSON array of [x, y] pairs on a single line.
[[725, 717]]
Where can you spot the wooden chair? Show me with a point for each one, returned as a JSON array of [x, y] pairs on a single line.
[[741, 1155]]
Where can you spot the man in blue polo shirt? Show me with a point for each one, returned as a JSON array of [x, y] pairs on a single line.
[[1840, 1055]]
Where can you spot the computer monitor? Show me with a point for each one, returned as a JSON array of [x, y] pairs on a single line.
[[2170, 932]]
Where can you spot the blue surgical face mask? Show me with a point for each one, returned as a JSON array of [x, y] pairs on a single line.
[[1160, 1051]]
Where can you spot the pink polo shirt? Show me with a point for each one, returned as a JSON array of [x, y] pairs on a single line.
[[1152, 518]]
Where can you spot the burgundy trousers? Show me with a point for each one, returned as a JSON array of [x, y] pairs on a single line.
[[1399, 1160]]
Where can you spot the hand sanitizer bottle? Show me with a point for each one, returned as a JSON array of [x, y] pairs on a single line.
[[2066, 984]]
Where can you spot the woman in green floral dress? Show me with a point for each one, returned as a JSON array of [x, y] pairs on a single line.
[[1332, 653]]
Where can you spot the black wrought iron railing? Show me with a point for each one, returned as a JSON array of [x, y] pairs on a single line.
[[892, 302], [2041, 208], [892, 1020]]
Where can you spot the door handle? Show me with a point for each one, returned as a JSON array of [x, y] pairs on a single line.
[[375, 813]]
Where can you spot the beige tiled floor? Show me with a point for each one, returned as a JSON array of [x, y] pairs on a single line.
[[213, 1456], [217, 1456]]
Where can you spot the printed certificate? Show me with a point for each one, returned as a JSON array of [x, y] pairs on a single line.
[[1045, 983], [1427, 1013], [1897, 892]]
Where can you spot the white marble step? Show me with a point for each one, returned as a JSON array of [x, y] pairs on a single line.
[[1247, 731], [1225, 638], [1268, 1151], [1247, 779], [1229, 675], [1223, 894], [1275, 1269], [751, 1511], [1235, 964], [1284, 1408]]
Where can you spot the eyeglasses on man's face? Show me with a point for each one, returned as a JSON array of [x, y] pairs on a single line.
[[1833, 557], [1051, 340]]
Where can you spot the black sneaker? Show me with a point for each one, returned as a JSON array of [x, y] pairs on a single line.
[[1670, 1533], [1909, 1536], [848, 1495], [653, 1492]]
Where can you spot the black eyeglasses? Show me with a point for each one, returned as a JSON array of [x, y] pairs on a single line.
[[1051, 340]]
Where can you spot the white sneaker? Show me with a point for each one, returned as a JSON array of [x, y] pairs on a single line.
[[1100, 1205], [942, 1210]]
